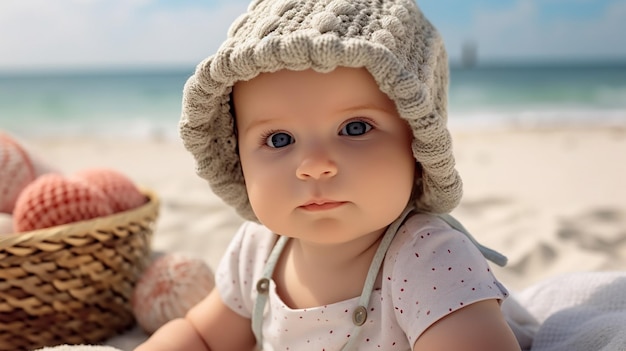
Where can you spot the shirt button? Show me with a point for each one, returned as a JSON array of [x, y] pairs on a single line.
[[263, 286], [359, 316]]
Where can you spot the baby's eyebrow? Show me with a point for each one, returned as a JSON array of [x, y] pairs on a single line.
[[258, 123], [364, 107]]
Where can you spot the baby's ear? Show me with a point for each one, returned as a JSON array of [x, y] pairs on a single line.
[[79, 348]]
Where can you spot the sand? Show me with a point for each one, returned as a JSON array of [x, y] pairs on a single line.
[[552, 200]]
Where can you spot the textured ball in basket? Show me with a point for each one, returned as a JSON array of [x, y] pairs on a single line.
[[116, 186], [72, 284], [52, 200]]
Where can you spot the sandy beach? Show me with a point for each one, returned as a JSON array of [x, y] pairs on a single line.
[[552, 200]]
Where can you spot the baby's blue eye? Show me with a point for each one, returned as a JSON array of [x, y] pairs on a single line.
[[278, 140], [355, 128]]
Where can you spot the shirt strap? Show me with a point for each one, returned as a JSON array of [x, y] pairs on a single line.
[[359, 315], [262, 287]]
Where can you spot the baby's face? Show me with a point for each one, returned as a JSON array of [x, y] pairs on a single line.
[[325, 157]]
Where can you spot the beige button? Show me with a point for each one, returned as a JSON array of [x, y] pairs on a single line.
[[359, 316], [263, 286]]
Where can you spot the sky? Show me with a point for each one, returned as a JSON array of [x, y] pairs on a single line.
[[84, 34]]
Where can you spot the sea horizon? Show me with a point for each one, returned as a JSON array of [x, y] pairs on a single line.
[[145, 102]]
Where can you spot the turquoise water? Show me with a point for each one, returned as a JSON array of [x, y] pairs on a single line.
[[147, 104], [538, 95], [141, 104]]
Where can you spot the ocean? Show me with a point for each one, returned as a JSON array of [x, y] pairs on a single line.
[[146, 104]]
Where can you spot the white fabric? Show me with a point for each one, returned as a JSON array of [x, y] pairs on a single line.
[[79, 348], [428, 265], [577, 312]]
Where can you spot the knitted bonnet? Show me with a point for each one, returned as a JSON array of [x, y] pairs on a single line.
[[390, 38]]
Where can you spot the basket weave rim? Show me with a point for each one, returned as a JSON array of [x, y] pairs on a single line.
[[81, 227]]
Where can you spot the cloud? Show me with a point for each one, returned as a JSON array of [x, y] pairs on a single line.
[[83, 33]]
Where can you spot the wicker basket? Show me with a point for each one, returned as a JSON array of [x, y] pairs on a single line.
[[72, 284]]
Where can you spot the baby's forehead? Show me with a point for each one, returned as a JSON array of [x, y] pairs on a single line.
[[343, 85], [307, 100]]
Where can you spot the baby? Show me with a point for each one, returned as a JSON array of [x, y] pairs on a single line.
[[323, 123]]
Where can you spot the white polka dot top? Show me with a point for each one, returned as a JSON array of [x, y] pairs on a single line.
[[430, 270]]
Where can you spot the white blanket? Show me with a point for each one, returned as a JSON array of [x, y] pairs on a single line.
[[574, 312]]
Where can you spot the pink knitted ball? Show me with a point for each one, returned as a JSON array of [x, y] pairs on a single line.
[[52, 200], [168, 288], [123, 194], [16, 172]]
